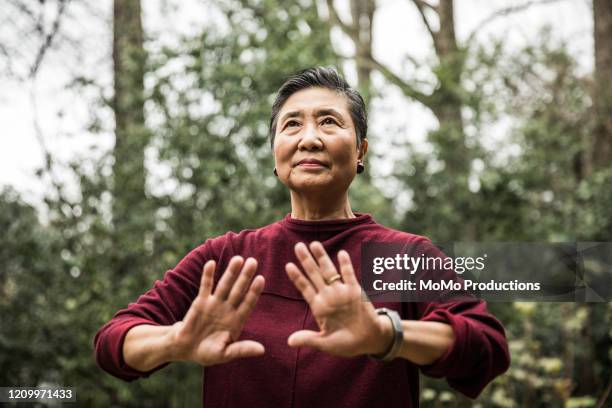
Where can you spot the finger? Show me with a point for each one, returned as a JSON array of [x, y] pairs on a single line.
[[310, 265], [206, 282], [244, 348], [229, 276], [190, 320], [346, 268], [301, 282], [326, 266], [242, 283], [307, 338], [249, 301]]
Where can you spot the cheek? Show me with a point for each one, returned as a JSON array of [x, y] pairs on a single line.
[[345, 155], [282, 152]]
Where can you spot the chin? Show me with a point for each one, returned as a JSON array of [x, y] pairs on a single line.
[[310, 184]]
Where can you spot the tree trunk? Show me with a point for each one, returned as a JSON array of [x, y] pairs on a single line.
[[447, 97], [602, 13], [447, 43], [131, 137], [447, 103], [362, 12]]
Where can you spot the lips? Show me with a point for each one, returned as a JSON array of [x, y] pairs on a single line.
[[311, 163]]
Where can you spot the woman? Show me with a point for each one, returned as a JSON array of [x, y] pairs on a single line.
[[275, 314]]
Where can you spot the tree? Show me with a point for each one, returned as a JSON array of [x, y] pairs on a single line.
[[221, 158], [446, 102], [544, 194], [33, 23], [25, 247], [131, 217], [208, 99], [602, 16], [360, 31]]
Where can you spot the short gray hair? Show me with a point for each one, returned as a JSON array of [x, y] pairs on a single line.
[[325, 78]]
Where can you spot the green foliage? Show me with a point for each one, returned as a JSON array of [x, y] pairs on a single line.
[[536, 185], [60, 280], [207, 106]]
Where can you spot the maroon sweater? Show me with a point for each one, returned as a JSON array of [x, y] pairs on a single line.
[[303, 377]]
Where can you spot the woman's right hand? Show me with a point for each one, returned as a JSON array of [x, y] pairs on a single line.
[[209, 331]]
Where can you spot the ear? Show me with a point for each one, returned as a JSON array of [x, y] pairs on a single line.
[[363, 149]]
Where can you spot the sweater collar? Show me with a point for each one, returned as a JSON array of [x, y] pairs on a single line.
[[327, 225]]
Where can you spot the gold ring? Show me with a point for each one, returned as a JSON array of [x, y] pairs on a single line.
[[333, 279]]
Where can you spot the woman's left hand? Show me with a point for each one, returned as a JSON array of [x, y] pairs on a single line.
[[349, 325]]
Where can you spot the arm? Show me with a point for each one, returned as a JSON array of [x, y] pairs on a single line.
[[147, 347], [424, 342], [459, 340], [456, 338], [208, 334], [163, 305], [129, 346], [480, 350]]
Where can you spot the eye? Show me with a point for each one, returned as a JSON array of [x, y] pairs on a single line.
[[292, 123], [329, 121]]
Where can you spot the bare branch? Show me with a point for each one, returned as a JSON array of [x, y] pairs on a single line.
[[412, 60], [24, 8], [372, 63], [505, 12], [425, 4], [349, 30], [605, 395], [408, 90], [420, 5], [61, 7], [49, 161], [10, 72]]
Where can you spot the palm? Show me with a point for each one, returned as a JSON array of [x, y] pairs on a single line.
[[346, 322], [208, 334], [212, 347]]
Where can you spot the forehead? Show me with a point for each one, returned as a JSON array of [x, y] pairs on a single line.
[[311, 99]]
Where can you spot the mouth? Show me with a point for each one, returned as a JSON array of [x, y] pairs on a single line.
[[310, 163]]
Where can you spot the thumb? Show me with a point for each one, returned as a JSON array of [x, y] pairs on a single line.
[[244, 348], [305, 338]]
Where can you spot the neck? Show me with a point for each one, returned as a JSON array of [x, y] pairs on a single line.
[[319, 207]]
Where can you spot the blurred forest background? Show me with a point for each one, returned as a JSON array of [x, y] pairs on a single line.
[[111, 222]]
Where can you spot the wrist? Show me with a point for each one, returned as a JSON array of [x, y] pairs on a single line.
[[383, 340], [145, 347], [397, 334], [172, 348]]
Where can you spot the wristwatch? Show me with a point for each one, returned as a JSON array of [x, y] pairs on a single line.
[[398, 335]]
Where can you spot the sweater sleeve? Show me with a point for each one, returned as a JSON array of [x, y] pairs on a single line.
[[479, 352], [166, 303]]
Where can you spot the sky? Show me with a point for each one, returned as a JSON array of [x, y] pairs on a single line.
[[61, 114]]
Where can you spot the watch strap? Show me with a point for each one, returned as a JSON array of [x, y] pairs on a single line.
[[398, 335]]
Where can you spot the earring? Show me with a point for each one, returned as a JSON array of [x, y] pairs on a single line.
[[275, 173], [360, 167]]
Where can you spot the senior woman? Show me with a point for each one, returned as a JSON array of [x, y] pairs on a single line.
[[276, 315]]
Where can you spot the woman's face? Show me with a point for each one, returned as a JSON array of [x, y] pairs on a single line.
[[315, 146]]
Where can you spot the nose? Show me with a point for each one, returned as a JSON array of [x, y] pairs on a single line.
[[310, 139]]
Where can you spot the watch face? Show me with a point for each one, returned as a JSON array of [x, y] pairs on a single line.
[[382, 310]]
